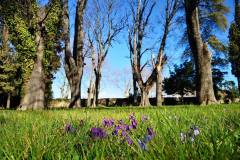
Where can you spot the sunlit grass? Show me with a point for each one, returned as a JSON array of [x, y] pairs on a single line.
[[41, 135]]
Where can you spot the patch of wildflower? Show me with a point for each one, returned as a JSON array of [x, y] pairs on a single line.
[[122, 130], [190, 135]]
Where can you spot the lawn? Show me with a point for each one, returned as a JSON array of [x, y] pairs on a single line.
[[185, 132]]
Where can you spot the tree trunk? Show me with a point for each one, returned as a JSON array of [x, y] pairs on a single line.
[[34, 97], [144, 98], [75, 101], [159, 88], [91, 92], [8, 101], [135, 92], [201, 54], [5, 38], [97, 86]]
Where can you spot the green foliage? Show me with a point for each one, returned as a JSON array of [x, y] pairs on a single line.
[[212, 14], [231, 90], [181, 80], [41, 135], [52, 40], [234, 49], [218, 81], [9, 80]]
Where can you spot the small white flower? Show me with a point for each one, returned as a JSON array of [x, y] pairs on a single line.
[[192, 139], [196, 132], [183, 136]]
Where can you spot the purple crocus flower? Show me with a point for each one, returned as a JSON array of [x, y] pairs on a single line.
[[142, 145], [147, 138], [132, 116], [129, 140], [98, 133], [116, 130], [108, 122], [69, 128], [150, 132], [127, 127], [134, 123], [111, 122], [105, 122]]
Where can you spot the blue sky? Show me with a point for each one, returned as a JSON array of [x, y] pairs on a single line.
[[117, 71]]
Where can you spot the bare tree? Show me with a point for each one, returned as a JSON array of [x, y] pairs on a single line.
[[141, 12], [105, 24], [136, 36], [74, 60]]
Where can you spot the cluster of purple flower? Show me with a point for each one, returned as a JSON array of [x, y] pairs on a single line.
[[124, 130], [98, 133], [190, 135], [117, 128], [108, 122]]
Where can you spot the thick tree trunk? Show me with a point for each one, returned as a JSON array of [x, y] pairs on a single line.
[[201, 54], [34, 97], [8, 101], [75, 101], [159, 88], [144, 98]]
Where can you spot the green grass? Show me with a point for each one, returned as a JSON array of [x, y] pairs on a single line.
[[41, 135]]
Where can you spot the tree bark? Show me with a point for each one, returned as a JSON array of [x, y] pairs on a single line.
[[201, 54], [91, 91], [159, 88], [98, 76], [5, 38], [135, 92], [8, 101], [144, 98], [34, 97]]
